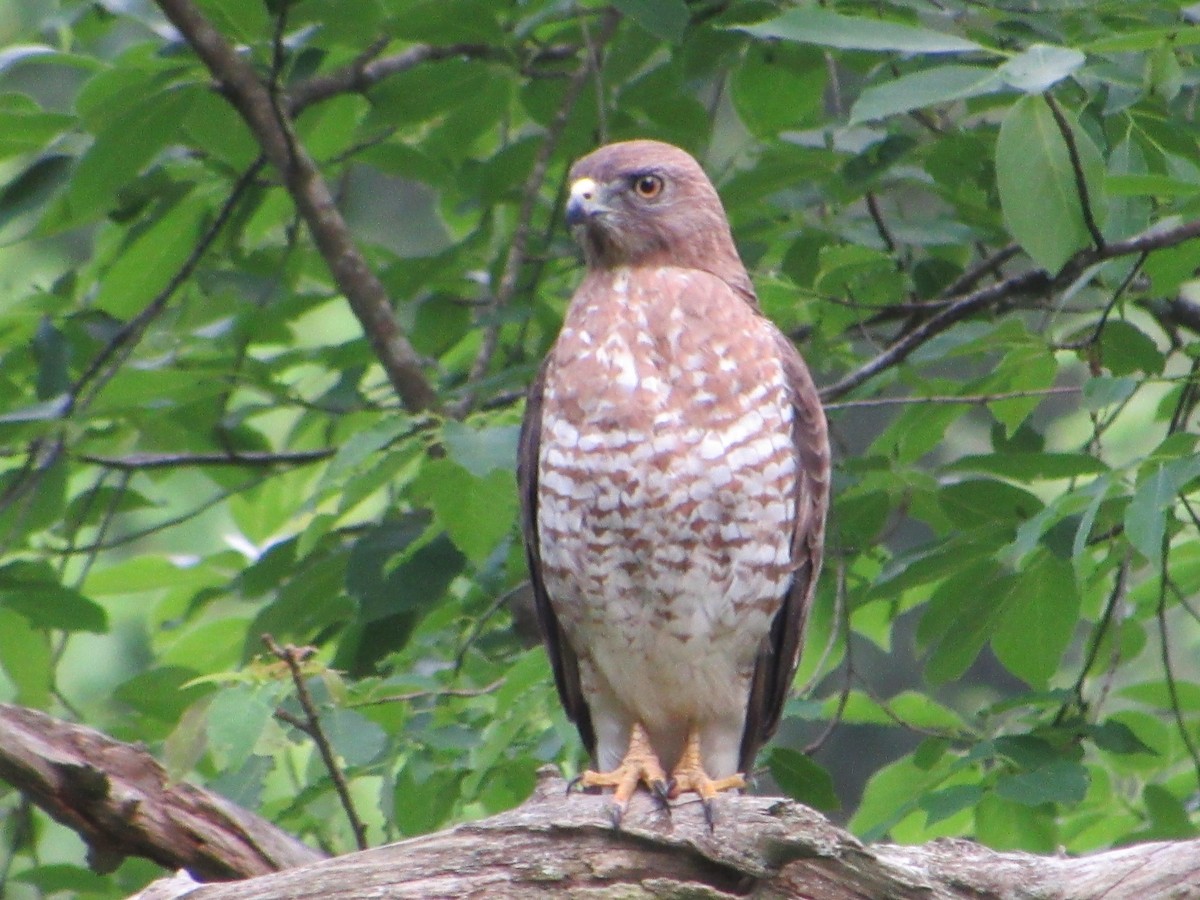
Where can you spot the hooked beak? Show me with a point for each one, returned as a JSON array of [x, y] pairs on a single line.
[[585, 202]]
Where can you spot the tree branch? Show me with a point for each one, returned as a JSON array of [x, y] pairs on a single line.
[[1081, 188], [1030, 282], [292, 657], [561, 846], [367, 71], [245, 458], [123, 803], [309, 191]]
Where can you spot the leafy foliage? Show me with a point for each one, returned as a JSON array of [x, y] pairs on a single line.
[[974, 219]]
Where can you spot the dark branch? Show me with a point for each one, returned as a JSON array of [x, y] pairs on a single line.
[[309, 191], [366, 71], [1031, 282], [292, 657], [1081, 188], [123, 803], [246, 459]]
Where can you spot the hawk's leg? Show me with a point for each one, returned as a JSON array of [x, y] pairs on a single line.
[[640, 766], [689, 775]]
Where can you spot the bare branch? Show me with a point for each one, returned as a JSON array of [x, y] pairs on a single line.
[[309, 191], [980, 270], [292, 657], [951, 399], [559, 846], [367, 71], [123, 803], [245, 458], [432, 695], [1031, 282]]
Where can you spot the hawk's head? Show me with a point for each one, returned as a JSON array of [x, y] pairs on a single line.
[[649, 203]]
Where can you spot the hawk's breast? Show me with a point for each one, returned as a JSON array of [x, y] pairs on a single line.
[[666, 483]]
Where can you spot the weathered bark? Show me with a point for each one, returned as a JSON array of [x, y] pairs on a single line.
[[121, 801], [763, 847]]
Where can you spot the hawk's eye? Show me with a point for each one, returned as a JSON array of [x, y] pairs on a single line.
[[648, 186]]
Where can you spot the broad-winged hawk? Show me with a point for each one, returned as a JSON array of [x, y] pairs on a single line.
[[674, 476]]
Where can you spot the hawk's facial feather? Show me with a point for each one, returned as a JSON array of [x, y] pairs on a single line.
[[645, 203]]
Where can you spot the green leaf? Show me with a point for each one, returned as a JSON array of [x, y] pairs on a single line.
[[1117, 737], [777, 87], [1040, 613], [1061, 781], [827, 29], [121, 150], [354, 737], [26, 658], [1038, 193], [1040, 67], [1168, 814], [928, 87], [22, 199], [236, 719], [1146, 514], [1125, 349], [942, 804], [148, 264], [802, 779], [481, 450], [424, 797], [62, 878], [1030, 466], [665, 19], [34, 591], [476, 512], [1103, 391], [28, 129], [1003, 824]]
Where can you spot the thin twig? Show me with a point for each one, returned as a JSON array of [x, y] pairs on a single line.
[[366, 71], [843, 625], [1160, 615], [986, 266], [1094, 337], [881, 226], [950, 399], [1033, 281], [314, 200], [292, 657], [427, 695], [1081, 188], [1115, 598], [245, 458], [515, 259], [99, 372]]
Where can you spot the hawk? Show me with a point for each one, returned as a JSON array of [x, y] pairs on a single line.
[[674, 478]]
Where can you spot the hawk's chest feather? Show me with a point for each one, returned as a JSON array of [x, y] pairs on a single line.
[[666, 462]]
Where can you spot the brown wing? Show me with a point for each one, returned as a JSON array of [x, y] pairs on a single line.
[[562, 657], [780, 653]]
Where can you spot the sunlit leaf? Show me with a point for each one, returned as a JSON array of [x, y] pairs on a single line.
[[1039, 192], [829, 29]]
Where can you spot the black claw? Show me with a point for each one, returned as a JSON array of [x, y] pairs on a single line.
[[710, 814], [573, 783], [662, 793], [616, 812]]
